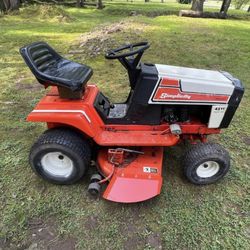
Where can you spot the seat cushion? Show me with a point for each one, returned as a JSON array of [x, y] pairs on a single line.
[[52, 69], [69, 74]]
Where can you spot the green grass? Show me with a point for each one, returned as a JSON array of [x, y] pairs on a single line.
[[155, 8], [184, 216]]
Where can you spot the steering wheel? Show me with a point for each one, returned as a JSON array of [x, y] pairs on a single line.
[[132, 49], [129, 56]]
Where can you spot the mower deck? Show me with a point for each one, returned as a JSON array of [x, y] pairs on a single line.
[[138, 180]]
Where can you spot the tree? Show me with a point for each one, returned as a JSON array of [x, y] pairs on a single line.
[[225, 6], [99, 4], [2, 7], [197, 10], [197, 5], [240, 3], [79, 3], [9, 5]]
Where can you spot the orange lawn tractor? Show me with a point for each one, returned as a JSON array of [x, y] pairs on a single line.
[[166, 105]]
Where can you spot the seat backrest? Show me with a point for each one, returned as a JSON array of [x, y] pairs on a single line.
[[51, 69], [39, 56]]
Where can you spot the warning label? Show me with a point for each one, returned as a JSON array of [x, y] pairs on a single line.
[[149, 170]]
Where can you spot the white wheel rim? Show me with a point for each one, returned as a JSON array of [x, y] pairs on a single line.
[[57, 164], [208, 169]]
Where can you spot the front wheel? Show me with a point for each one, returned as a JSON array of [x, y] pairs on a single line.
[[206, 163], [60, 155]]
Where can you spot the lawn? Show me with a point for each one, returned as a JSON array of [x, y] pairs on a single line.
[[39, 215]]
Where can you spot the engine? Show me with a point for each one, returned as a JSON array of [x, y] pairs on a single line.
[[187, 93]]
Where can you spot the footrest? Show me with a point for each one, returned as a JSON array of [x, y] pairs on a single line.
[[138, 181]]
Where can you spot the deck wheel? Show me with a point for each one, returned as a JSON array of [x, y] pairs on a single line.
[[94, 188], [95, 178]]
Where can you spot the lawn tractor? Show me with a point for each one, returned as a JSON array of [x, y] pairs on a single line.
[[166, 105]]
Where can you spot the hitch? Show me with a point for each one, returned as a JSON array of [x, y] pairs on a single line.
[[117, 156]]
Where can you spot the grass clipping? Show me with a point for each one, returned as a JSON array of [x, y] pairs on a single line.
[[107, 37], [47, 12]]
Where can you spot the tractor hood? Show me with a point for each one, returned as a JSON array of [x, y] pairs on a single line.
[[181, 85], [198, 80]]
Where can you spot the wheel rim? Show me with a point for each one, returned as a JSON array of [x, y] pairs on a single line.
[[57, 164], [208, 169]]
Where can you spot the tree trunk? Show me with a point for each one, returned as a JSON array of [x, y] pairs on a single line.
[[248, 9], [2, 7], [196, 9], [225, 6], [14, 4], [9, 5], [146, 1], [6, 4], [99, 5], [191, 13], [197, 5], [79, 3]]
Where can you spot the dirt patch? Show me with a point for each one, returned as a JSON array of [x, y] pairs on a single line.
[[44, 235], [21, 84], [154, 241], [133, 242], [4, 244], [246, 140], [66, 244], [91, 223], [103, 38], [131, 229], [41, 231]]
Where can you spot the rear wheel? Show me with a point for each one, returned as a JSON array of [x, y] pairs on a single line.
[[206, 163], [60, 155]]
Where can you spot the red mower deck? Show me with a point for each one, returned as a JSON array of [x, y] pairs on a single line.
[[136, 181]]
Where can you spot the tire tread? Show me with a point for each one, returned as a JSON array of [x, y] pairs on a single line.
[[202, 151], [67, 138]]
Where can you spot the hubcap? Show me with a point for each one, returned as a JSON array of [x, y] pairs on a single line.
[[57, 164], [208, 169]]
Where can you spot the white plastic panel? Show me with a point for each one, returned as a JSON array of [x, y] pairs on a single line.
[[216, 116], [198, 80]]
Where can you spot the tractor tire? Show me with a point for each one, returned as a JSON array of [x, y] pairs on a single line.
[[206, 163], [60, 156]]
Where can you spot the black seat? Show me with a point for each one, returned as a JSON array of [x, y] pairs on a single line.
[[51, 69]]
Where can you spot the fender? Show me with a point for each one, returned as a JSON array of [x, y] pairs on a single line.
[[74, 118], [79, 114]]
